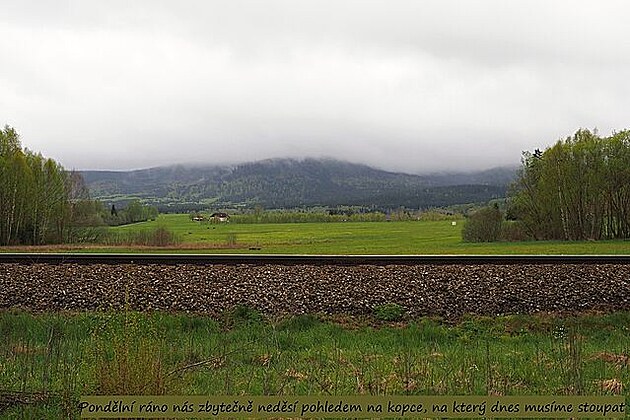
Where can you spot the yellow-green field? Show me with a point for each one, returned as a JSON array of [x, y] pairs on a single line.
[[350, 238], [408, 237]]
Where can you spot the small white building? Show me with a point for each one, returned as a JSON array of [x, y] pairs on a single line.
[[220, 217]]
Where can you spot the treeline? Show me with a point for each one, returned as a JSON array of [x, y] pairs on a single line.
[[134, 212], [579, 189], [43, 203], [305, 217], [35, 195], [91, 213], [330, 216]]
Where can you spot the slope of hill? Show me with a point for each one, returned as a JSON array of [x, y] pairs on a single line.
[[278, 183]]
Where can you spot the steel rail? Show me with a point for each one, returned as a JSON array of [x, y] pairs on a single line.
[[281, 259]]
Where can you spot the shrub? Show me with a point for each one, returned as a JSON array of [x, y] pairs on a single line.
[[389, 312], [89, 234], [484, 225], [513, 231], [161, 236]]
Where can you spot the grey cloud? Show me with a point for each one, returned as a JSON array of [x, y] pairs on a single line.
[[406, 85]]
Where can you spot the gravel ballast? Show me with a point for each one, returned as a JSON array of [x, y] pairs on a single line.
[[449, 291]]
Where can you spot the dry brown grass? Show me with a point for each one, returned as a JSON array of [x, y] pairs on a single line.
[[613, 386], [619, 360], [128, 359], [184, 246]]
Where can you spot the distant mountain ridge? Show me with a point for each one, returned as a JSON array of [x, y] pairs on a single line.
[[281, 183]]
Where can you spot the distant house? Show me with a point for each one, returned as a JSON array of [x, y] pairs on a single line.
[[220, 217]]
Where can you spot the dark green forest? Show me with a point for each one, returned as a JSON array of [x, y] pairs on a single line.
[[289, 183]]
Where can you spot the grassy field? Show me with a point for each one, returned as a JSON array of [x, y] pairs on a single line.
[[408, 237], [394, 238], [59, 357]]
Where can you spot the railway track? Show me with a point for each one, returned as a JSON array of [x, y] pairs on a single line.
[[277, 259], [278, 285]]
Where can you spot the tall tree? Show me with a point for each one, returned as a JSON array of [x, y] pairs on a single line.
[[14, 180], [577, 189], [35, 193]]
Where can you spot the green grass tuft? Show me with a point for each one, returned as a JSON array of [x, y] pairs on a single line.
[[389, 312]]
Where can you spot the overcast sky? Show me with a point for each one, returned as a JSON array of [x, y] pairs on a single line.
[[414, 86]]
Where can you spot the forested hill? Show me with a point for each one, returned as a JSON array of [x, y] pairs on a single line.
[[280, 183]]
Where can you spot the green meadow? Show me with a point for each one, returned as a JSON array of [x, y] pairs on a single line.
[[55, 358], [395, 237]]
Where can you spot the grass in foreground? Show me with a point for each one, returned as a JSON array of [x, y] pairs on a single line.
[[64, 356]]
